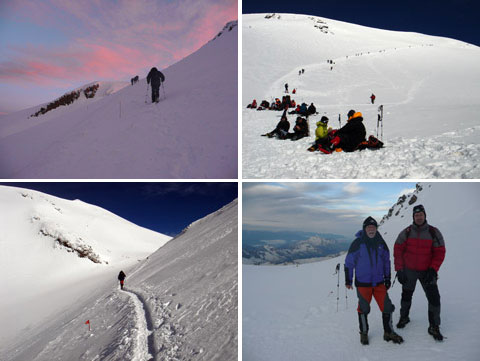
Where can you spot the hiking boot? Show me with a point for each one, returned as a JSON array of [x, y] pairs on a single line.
[[435, 332], [364, 338], [402, 322], [392, 336], [313, 148]]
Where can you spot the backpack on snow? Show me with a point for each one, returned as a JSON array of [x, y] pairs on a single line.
[[371, 143]]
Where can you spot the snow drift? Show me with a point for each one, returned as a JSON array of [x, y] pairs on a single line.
[[291, 312], [428, 86], [190, 134], [178, 304]]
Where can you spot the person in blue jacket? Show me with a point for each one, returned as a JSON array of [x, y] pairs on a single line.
[[369, 257]]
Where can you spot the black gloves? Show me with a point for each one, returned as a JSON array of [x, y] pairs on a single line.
[[387, 283], [430, 276], [402, 277]]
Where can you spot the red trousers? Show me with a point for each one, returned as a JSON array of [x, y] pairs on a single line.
[[379, 293]]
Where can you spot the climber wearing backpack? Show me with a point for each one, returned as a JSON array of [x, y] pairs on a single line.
[[155, 78], [418, 253]]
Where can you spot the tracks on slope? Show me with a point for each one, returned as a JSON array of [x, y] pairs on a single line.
[[145, 348]]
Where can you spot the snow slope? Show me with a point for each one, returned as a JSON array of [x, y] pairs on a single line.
[[55, 251], [290, 313], [190, 134], [178, 304], [429, 87]]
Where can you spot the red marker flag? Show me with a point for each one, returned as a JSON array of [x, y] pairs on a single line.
[[88, 323]]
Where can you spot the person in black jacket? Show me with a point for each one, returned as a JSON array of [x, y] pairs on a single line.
[[155, 78], [300, 129], [281, 130], [121, 278], [311, 109], [351, 134]]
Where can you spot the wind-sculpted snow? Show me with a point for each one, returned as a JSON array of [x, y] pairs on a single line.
[[192, 133], [427, 85], [56, 252], [290, 313], [178, 304]]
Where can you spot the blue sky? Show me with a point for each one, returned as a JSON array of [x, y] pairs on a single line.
[[163, 207], [327, 207], [457, 19]]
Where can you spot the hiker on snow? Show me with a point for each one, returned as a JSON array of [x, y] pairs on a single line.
[[300, 129], [286, 87], [121, 278], [419, 252], [155, 79], [350, 135], [369, 257], [281, 130], [372, 98], [321, 134]]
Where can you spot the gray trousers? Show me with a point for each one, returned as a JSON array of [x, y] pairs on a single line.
[[431, 291]]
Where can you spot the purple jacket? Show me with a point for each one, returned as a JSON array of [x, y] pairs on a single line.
[[370, 258]]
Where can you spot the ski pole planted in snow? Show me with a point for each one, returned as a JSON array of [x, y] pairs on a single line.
[[337, 271], [163, 88], [380, 121], [339, 121]]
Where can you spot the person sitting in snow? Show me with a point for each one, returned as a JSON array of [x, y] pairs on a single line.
[[281, 130], [121, 278], [300, 130], [349, 136], [311, 109], [253, 105], [303, 109], [321, 135]]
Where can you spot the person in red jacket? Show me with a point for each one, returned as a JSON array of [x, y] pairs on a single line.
[[372, 98], [418, 254]]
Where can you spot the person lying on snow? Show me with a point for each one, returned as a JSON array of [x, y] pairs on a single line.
[[281, 130]]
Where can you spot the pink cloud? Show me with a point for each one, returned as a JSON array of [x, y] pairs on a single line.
[[113, 41]]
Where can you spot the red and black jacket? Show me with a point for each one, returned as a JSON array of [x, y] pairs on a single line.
[[419, 248]]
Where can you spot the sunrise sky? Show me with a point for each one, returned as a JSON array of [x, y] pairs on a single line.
[[53, 46]]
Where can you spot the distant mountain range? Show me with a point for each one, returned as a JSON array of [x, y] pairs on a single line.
[[265, 247]]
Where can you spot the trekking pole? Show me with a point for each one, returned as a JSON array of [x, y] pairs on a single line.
[[339, 121], [163, 88], [337, 271]]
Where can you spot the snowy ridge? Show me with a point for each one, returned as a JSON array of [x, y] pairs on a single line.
[[52, 246], [190, 133], [426, 84], [178, 304], [291, 312]]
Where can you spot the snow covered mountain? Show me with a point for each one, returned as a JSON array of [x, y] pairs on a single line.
[[178, 304], [55, 250], [192, 133], [313, 249], [428, 87], [291, 312]]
